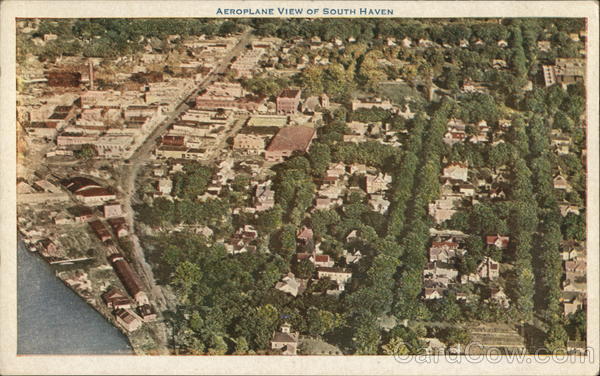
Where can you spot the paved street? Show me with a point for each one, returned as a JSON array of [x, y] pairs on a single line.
[[130, 170]]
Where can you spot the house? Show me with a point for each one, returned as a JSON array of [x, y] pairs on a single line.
[[461, 296], [380, 182], [312, 104], [48, 248], [561, 183], [289, 140], [63, 219], [544, 45], [487, 268], [499, 64], [251, 144], [80, 214], [352, 236], [359, 169], [288, 101], [431, 293], [326, 203], [332, 192], [498, 241], [499, 296], [572, 250], [323, 261], [285, 340], [147, 312], [339, 275], [100, 230], [453, 137], [128, 319], [379, 203], [290, 285], [336, 170], [497, 193], [353, 258], [119, 227], [440, 272], [115, 299], [128, 278], [457, 171], [164, 186], [304, 235], [264, 197], [575, 268], [571, 301], [112, 210], [466, 189], [443, 251]]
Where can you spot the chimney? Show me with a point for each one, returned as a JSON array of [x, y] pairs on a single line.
[[91, 68]]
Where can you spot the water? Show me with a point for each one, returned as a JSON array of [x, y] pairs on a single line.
[[52, 319]]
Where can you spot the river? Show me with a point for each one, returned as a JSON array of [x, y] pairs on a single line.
[[52, 319]]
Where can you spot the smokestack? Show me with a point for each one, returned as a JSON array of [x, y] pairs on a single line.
[[91, 67]]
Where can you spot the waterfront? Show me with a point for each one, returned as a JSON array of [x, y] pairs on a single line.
[[52, 319]]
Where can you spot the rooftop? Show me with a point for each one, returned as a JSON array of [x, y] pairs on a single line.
[[292, 138]]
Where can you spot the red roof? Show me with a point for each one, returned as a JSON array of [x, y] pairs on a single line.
[[322, 258], [173, 140], [292, 139], [95, 192], [491, 239], [289, 93]]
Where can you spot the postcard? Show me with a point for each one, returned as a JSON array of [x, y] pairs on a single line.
[[261, 187]]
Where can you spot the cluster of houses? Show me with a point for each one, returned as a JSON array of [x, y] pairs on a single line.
[[324, 264], [565, 71], [440, 276], [574, 283], [482, 132]]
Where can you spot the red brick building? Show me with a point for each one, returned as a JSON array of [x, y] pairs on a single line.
[[287, 141], [64, 79], [288, 101]]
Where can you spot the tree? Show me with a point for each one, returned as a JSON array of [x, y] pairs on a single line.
[[447, 310], [556, 338], [573, 226], [270, 220], [320, 157], [187, 275], [241, 346], [305, 269], [286, 245], [86, 152], [456, 336], [321, 322], [395, 346], [366, 335], [258, 325]]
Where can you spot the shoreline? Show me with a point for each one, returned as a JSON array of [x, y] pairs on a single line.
[[21, 245]]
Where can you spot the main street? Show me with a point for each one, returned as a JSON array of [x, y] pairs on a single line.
[[130, 170]]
